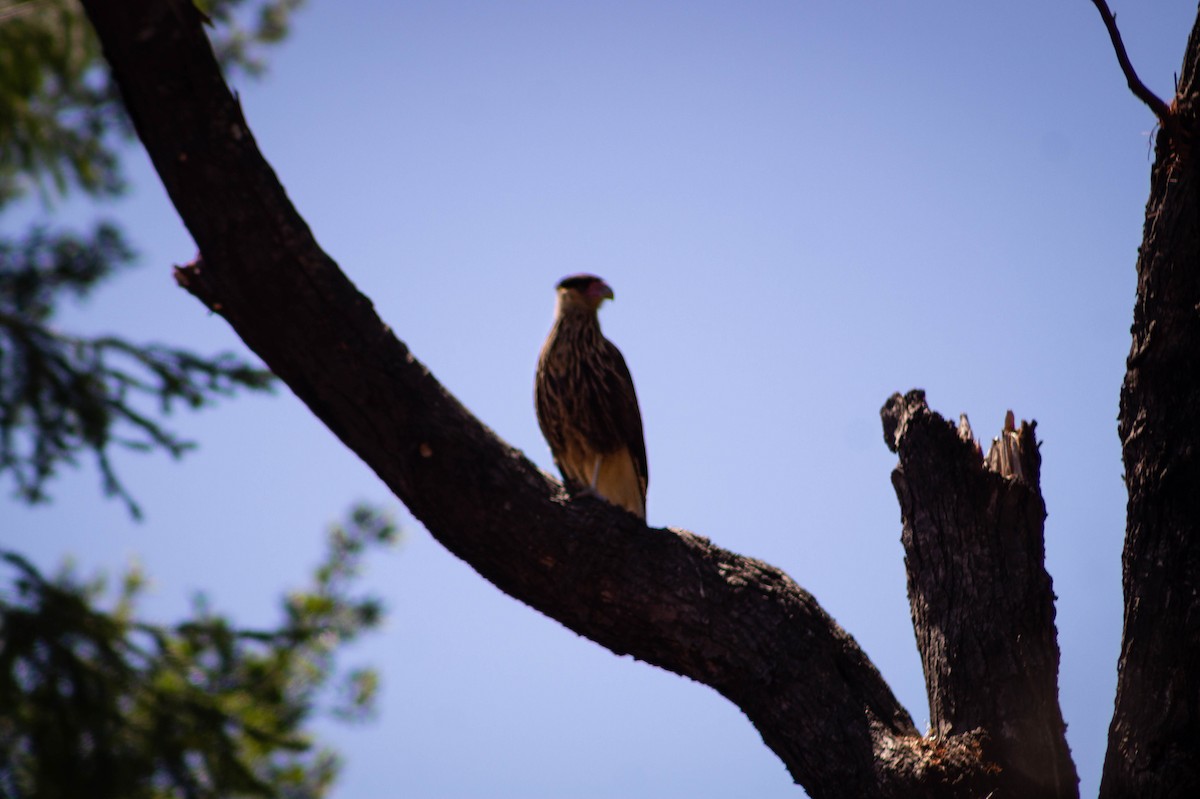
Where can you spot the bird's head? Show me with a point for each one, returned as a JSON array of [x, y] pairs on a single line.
[[582, 292]]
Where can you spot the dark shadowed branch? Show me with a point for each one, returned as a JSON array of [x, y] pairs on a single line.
[[1143, 93]]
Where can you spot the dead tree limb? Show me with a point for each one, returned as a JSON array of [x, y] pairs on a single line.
[[1139, 89], [981, 598]]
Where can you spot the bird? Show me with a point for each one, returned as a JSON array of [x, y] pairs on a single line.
[[587, 407]]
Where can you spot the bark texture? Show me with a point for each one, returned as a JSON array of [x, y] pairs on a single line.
[[982, 603], [1154, 739]]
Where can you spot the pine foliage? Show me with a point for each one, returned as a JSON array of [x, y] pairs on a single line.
[[99, 704]]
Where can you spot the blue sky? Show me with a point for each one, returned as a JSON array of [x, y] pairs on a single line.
[[802, 207]]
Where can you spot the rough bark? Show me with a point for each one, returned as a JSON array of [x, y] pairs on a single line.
[[1154, 739], [982, 604], [667, 597]]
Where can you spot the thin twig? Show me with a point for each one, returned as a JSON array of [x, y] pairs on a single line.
[[1160, 109]]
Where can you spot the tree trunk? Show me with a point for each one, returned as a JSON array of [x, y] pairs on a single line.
[[1154, 740]]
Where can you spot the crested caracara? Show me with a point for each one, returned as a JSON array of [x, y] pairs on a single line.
[[586, 405]]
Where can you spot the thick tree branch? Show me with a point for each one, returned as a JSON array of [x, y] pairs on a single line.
[[1153, 739], [667, 597], [982, 604], [1139, 89]]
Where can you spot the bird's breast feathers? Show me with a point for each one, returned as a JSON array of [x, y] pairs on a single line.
[[588, 411]]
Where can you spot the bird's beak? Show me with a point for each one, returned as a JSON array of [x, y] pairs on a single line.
[[601, 291]]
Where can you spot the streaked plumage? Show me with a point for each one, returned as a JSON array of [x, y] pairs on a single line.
[[586, 405]]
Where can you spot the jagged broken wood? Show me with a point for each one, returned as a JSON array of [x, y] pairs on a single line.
[[981, 598]]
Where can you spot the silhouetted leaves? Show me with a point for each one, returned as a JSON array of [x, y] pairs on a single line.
[[61, 395], [61, 120], [61, 128], [58, 111], [96, 703]]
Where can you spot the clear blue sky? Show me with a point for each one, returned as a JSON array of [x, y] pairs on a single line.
[[802, 207]]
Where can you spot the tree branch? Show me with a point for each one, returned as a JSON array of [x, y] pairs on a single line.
[[668, 597], [1140, 90], [982, 602]]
